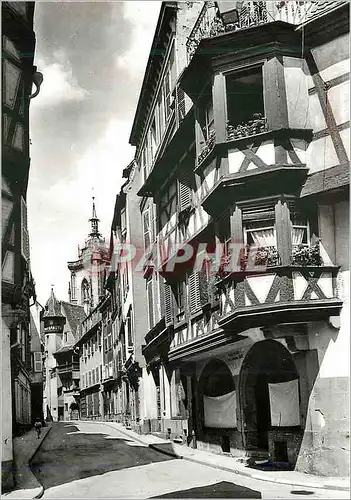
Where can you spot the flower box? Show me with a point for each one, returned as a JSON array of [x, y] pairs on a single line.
[[257, 125], [303, 255]]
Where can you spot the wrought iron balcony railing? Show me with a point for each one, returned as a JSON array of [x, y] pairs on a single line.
[[210, 23]]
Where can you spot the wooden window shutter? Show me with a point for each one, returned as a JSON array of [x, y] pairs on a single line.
[[194, 292], [168, 304], [24, 230], [198, 290], [146, 229], [150, 300], [203, 288], [185, 189], [180, 104]]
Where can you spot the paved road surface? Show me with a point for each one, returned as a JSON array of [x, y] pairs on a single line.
[[95, 461]]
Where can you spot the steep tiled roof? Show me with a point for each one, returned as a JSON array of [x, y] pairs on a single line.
[[74, 315], [52, 307], [321, 7], [65, 348]]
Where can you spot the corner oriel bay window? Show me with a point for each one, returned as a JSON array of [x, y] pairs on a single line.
[[168, 204]]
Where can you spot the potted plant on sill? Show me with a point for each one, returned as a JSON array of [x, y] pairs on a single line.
[[303, 255], [254, 126], [208, 147]]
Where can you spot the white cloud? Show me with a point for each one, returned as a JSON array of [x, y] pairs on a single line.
[[59, 84], [55, 236], [143, 18]]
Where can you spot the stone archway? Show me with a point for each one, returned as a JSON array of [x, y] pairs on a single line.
[[267, 362], [216, 380]]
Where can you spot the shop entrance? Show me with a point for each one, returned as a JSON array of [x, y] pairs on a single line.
[[267, 362]]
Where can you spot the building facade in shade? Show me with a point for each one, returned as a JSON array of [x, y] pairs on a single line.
[[37, 354], [60, 327], [86, 286], [18, 73], [244, 152], [127, 310]]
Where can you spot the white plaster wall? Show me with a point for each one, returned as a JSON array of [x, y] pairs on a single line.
[[165, 394], [296, 86], [53, 405], [321, 155], [148, 396], [6, 397], [91, 362]]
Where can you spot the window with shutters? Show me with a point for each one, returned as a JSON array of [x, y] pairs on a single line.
[[180, 104], [185, 188], [150, 302], [146, 229], [125, 281], [24, 230], [205, 118], [129, 328], [38, 363], [168, 304], [259, 225], [123, 223], [153, 140], [179, 291], [197, 290], [168, 84], [168, 204]]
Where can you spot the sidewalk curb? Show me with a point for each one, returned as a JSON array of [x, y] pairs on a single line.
[[41, 492], [252, 475]]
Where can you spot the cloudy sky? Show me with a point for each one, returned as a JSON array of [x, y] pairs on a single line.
[[93, 56]]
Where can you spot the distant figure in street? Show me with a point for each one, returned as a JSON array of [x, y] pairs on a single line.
[[38, 426]]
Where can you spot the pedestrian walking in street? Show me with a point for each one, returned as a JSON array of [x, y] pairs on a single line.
[[38, 426]]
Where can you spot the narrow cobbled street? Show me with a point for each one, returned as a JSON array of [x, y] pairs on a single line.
[[93, 460]]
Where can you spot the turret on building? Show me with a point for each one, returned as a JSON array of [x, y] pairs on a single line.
[[60, 329]]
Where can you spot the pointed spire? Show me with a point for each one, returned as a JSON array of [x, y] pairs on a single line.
[[52, 308], [94, 222]]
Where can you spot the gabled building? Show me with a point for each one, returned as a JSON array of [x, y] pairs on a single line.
[[241, 131]]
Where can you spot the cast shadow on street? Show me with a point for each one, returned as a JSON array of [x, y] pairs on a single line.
[[68, 455], [223, 489]]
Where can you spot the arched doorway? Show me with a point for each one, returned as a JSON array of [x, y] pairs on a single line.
[[267, 362], [217, 401]]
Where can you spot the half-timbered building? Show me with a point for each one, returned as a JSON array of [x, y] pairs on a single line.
[[18, 75], [246, 176]]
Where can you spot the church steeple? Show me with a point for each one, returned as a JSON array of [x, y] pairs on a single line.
[[94, 223]]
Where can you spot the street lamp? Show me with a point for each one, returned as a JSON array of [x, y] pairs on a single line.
[[37, 80]]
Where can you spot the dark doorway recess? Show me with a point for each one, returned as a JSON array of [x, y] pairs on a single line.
[[267, 362]]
